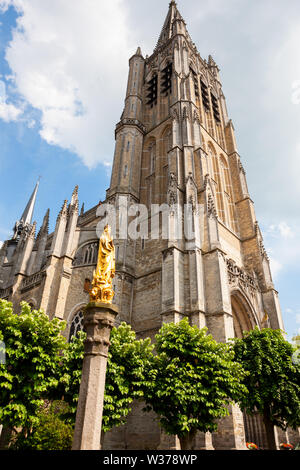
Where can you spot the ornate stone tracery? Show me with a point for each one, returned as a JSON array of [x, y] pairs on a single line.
[[239, 277]]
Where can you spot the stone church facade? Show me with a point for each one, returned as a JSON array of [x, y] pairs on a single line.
[[175, 146]]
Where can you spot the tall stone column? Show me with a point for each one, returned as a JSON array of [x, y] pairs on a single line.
[[98, 321]]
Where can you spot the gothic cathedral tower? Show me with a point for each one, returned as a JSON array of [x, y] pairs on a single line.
[[175, 144], [176, 160]]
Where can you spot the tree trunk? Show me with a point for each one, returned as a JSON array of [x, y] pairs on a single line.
[[5, 438], [270, 431], [102, 440], [188, 441]]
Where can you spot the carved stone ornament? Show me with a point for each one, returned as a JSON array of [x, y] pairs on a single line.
[[196, 117], [241, 168], [192, 202], [263, 252], [168, 252], [211, 208], [172, 190], [238, 277], [185, 114], [175, 115]]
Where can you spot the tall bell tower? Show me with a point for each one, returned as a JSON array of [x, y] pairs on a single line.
[[175, 146]]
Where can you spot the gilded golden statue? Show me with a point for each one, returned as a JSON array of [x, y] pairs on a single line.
[[102, 289]]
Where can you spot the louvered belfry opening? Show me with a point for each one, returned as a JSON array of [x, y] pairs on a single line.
[[166, 79], [215, 108], [205, 97], [152, 91], [196, 85]]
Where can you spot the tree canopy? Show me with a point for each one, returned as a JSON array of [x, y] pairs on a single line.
[[33, 349], [128, 371], [273, 379], [194, 379], [40, 365]]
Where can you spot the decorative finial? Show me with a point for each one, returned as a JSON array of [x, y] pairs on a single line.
[[64, 210], [44, 230], [102, 289], [82, 209], [74, 198]]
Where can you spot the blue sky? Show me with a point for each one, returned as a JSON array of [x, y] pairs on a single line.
[[63, 73]]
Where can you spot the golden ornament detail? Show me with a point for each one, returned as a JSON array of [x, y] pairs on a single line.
[[102, 288]]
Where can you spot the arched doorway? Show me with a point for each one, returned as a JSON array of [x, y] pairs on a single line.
[[243, 315], [244, 319]]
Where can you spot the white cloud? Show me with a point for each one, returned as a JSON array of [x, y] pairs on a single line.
[[285, 230], [282, 242], [8, 111], [4, 4], [282, 230], [71, 64], [1, 243]]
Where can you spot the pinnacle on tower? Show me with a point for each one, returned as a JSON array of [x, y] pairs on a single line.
[[82, 209], [74, 199], [45, 225], [167, 30], [64, 210], [33, 230], [26, 218]]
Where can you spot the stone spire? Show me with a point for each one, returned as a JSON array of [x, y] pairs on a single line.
[[74, 199], [167, 30], [82, 209], [64, 210], [139, 52], [26, 218]]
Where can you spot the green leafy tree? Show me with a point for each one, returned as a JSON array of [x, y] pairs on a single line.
[[273, 380], [70, 376], [128, 371], [50, 433], [195, 379], [33, 346]]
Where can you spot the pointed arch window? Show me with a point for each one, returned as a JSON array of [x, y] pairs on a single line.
[[166, 79], [228, 194], [76, 325], [152, 150], [205, 97], [152, 91], [214, 163], [195, 82], [86, 255]]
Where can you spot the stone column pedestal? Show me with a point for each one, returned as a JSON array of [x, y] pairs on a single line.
[[98, 321]]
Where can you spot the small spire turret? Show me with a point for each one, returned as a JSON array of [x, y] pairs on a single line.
[[44, 230], [26, 218], [74, 199], [64, 210], [82, 209]]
